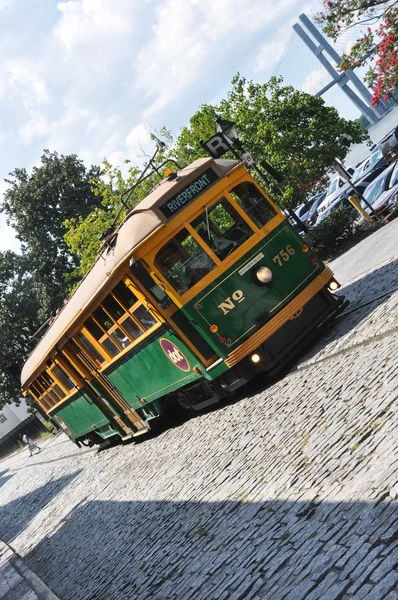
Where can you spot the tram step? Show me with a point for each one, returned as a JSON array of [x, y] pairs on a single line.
[[141, 431], [136, 434]]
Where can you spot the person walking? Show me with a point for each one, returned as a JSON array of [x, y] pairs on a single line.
[[30, 443]]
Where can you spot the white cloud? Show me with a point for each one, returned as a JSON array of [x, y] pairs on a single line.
[[187, 36], [138, 139], [21, 80], [8, 240], [88, 22], [6, 4], [269, 54], [315, 81]]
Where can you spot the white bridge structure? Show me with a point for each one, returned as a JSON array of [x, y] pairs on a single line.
[[311, 49]]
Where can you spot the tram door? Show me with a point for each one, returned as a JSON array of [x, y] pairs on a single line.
[[112, 403]]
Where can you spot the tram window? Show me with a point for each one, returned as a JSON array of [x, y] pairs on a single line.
[[90, 349], [102, 318], [183, 262], [124, 295], [132, 328], [120, 338], [149, 284], [41, 397], [113, 307], [222, 228], [99, 333], [50, 386], [255, 205], [63, 379], [110, 347], [144, 317], [47, 391], [115, 324]]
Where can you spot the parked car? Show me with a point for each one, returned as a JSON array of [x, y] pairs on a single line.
[[312, 214], [389, 146], [339, 198], [392, 208], [334, 190], [303, 210], [382, 193], [372, 166]]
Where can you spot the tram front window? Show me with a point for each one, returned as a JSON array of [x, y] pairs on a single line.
[[183, 262], [222, 228], [251, 200]]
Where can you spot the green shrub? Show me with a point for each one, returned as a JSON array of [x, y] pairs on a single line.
[[326, 238], [49, 426]]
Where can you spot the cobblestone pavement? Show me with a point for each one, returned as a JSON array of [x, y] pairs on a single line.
[[287, 494], [12, 585]]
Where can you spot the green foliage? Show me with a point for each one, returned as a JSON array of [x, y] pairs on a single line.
[[340, 15], [83, 232], [295, 132], [37, 205], [34, 284], [326, 238]]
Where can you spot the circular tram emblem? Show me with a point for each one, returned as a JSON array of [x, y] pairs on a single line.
[[174, 354], [63, 425]]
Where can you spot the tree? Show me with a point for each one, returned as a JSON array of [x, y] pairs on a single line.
[[340, 15], [84, 233], [37, 205], [23, 307], [297, 133], [34, 284]]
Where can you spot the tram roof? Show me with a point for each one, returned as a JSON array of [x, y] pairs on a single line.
[[139, 224]]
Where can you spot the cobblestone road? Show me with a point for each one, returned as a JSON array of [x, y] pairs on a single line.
[[289, 493]]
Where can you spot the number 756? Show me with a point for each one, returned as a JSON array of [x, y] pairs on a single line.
[[284, 255]]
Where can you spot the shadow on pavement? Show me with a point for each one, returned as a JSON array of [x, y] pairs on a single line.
[[165, 550], [4, 478], [15, 516]]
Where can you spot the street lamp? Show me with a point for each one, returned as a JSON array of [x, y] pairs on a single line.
[[229, 133], [228, 129]]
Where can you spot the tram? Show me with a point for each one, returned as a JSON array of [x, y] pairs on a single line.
[[203, 285]]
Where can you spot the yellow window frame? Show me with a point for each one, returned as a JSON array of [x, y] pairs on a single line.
[[38, 399], [107, 358], [51, 368], [44, 395], [191, 212]]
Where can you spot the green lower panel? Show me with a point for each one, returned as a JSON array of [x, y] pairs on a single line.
[[81, 416], [239, 304], [154, 369]]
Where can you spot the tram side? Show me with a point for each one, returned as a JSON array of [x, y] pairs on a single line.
[[203, 286]]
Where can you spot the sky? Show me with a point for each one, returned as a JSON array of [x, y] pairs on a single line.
[[92, 77]]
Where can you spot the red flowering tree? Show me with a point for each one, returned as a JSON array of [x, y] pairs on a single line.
[[378, 45]]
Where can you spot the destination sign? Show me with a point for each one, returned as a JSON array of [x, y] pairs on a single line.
[[188, 193]]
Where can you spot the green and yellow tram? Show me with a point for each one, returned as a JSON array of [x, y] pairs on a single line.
[[203, 285]]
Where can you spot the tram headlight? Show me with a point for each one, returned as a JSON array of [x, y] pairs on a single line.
[[264, 275], [333, 285], [255, 358]]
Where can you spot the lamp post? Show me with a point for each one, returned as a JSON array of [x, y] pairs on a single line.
[[230, 135]]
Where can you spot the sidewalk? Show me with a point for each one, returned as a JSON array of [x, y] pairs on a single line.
[[17, 582]]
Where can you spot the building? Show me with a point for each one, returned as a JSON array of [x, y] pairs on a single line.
[[14, 422]]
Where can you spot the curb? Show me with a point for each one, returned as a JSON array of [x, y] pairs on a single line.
[[17, 581]]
